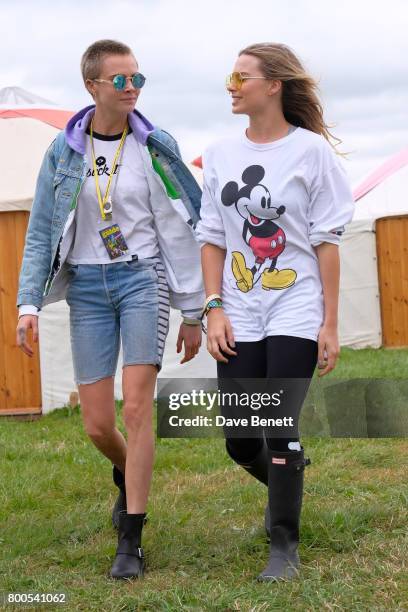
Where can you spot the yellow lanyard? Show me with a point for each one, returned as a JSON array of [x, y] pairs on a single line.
[[103, 200]]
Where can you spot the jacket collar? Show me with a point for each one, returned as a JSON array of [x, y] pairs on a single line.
[[75, 130]]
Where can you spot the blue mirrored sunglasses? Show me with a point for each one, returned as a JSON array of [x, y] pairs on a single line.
[[119, 81]]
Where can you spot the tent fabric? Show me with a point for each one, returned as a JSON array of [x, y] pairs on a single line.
[[30, 123], [19, 97], [390, 167], [359, 301], [198, 162], [381, 194], [55, 118], [17, 102], [196, 172], [24, 142], [389, 197]]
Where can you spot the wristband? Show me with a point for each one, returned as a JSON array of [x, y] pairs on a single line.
[[191, 321], [213, 296], [214, 303]]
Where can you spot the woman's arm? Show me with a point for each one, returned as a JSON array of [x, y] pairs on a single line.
[[212, 261], [36, 262], [328, 342], [219, 330]]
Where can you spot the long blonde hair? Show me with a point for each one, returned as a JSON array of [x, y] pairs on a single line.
[[300, 101]]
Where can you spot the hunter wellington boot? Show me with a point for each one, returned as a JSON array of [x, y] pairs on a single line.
[[285, 492], [258, 468], [129, 560], [120, 503]]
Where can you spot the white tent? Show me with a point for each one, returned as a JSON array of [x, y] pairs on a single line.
[[382, 194], [30, 124]]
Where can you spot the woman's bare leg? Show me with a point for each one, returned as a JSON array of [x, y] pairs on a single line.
[[138, 392], [98, 412]]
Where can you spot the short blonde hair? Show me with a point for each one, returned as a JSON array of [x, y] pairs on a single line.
[[95, 53]]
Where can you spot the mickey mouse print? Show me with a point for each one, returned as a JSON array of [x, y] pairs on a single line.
[[261, 232], [268, 206]]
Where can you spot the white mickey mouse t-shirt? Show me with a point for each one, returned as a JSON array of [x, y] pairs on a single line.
[[269, 205]]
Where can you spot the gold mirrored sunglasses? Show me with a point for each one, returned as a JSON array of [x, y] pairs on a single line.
[[235, 79]]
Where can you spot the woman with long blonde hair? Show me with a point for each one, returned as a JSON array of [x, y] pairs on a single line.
[[274, 206]]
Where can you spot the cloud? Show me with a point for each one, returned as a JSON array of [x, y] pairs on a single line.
[[357, 51]]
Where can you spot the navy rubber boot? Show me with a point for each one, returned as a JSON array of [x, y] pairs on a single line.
[[285, 493]]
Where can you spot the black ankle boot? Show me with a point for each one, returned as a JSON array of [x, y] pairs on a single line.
[[129, 560], [258, 468], [120, 503], [285, 492]]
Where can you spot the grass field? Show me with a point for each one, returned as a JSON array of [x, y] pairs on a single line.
[[204, 540]]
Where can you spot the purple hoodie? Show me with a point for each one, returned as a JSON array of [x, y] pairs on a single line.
[[76, 128]]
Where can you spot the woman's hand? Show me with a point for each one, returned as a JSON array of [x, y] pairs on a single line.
[[25, 323], [328, 349], [191, 336], [219, 335]]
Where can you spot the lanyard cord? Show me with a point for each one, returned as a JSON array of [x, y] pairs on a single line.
[[102, 201]]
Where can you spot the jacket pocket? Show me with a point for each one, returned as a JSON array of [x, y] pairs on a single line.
[[64, 185]]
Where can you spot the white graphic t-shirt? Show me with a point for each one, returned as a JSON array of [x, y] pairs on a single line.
[[269, 205], [130, 203]]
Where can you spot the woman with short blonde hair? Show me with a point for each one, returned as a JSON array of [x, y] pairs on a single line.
[[111, 229]]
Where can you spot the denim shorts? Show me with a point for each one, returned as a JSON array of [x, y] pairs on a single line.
[[124, 302]]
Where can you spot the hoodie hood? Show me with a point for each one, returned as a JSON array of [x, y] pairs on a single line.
[[75, 129]]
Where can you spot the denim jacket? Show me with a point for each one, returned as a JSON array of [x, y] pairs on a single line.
[[175, 202]]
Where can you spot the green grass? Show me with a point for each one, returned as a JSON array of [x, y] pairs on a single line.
[[369, 363], [204, 540]]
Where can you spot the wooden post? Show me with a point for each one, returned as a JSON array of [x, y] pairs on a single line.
[[20, 384], [392, 257]]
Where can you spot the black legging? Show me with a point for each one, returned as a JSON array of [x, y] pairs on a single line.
[[272, 357]]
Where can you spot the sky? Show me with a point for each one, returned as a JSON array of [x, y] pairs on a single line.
[[357, 50]]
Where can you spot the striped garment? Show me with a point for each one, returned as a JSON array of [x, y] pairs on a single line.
[[164, 306]]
